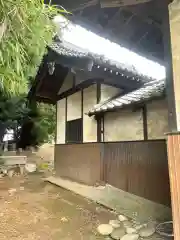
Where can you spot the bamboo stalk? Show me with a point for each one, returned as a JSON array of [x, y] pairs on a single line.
[[3, 27]]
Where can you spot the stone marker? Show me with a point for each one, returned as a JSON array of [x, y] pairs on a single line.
[[122, 218], [130, 230], [118, 233], [130, 237], [147, 232], [115, 223], [105, 229], [10, 173]]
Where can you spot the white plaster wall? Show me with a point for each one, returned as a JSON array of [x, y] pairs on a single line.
[[157, 119], [60, 127], [89, 123], [108, 92], [123, 125], [74, 106], [68, 83]]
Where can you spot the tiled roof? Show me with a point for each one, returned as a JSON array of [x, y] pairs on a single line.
[[70, 50], [143, 94]]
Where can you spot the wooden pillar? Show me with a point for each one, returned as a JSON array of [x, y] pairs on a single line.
[[172, 53]]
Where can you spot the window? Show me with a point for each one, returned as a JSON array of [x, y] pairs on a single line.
[[74, 131]]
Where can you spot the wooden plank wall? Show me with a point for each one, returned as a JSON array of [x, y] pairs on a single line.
[[139, 167], [79, 162], [174, 173]]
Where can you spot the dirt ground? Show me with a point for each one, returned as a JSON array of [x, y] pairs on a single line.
[[33, 209]]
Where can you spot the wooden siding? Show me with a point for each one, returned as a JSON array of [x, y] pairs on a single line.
[[174, 173], [139, 167], [79, 162]]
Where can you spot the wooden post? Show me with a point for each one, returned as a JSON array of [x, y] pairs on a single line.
[[172, 53]]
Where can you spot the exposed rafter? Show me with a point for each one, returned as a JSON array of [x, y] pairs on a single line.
[[121, 3]]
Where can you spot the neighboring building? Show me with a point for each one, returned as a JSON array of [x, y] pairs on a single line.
[[111, 121]]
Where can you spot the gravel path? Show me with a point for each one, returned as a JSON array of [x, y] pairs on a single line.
[[32, 209]]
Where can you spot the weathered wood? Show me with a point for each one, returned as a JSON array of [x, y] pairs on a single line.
[[174, 173], [121, 3]]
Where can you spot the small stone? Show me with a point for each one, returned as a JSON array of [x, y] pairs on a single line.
[[130, 237], [139, 227], [127, 224], [147, 232], [118, 233], [105, 229], [130, 230], [122, 218], [12, 191], [115, 223], [64, 219]]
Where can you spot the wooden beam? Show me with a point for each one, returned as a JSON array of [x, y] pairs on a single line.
[[145, 127], [110, 78], [142, 13], [169, 70], [77, 88], [120, 3]]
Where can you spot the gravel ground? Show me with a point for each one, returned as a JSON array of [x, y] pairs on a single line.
[[33, 209]]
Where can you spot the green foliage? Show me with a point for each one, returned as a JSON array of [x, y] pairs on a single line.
[[45, 123], [28, 31], [13, 110]]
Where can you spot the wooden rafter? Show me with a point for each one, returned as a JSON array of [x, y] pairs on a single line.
[[121, 3]]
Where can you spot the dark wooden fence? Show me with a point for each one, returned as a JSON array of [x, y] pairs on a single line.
[[139, 167], [79, 162]]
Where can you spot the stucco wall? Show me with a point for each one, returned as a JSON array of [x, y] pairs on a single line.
[[123, 125], [60, 131], [108, 92], [89, 123], [157, 119], [68, 83], [74, 106]]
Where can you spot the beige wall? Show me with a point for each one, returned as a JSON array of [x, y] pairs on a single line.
[[174, 16], [108, 92], [123, 125], [60, 129], [74, 106], [89, 123], [157, 119], [68, 83]]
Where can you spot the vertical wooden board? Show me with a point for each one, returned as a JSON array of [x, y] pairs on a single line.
[[174, 173]]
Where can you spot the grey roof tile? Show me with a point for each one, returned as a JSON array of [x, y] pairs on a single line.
[[146, 92]]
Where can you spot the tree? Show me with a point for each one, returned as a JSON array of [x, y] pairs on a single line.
[[25, 31]]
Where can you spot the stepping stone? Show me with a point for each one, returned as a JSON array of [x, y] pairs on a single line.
[[147, 232], [130, 230], [105, 229], [122, 218], [115, 223], [130, 237], [118, 233]]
